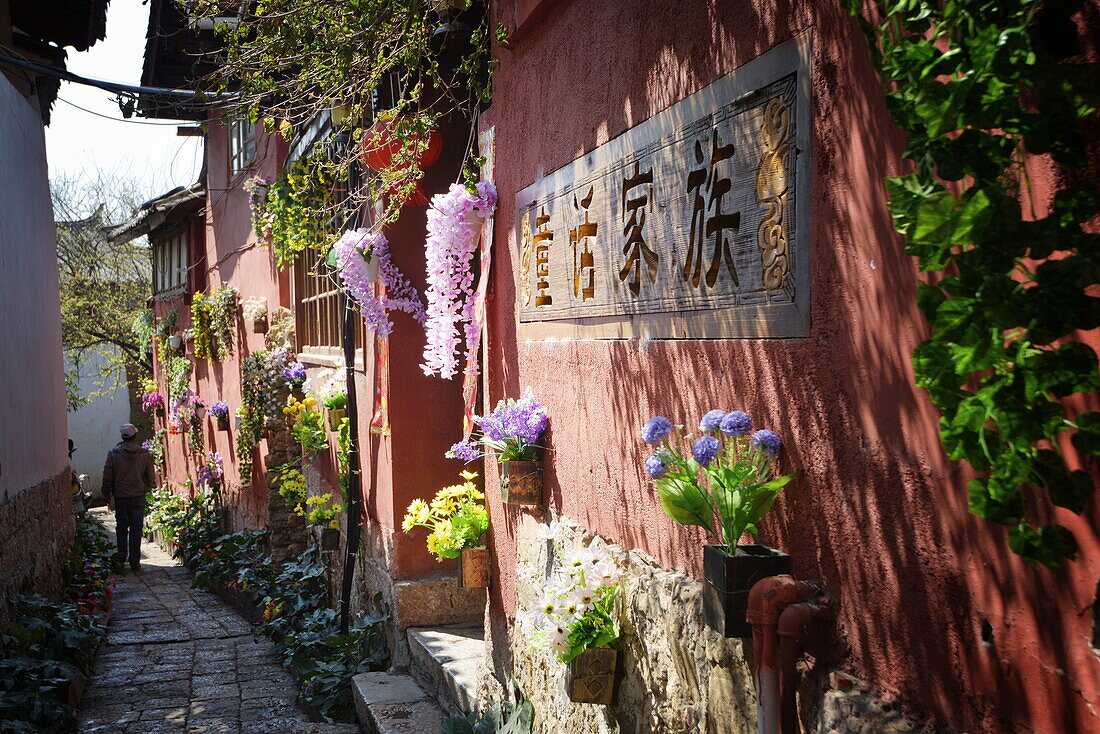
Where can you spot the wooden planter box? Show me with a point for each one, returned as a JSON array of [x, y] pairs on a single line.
[[238, 600], [591, 676], [521, 482], [473, 568], [728, 580], [335, 415], [330, 539], [259, 326], [223, 423]]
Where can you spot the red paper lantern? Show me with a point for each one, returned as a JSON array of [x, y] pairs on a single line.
[[380, 146]]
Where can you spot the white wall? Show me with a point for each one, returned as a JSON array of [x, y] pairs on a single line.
[[94, 427], [33, 431]]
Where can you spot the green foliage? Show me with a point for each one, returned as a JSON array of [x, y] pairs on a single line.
[[727, 498], [164, 512], [332, 55], [502, 717], [298, 208], [981, 89], [48, 645], [213, 316]]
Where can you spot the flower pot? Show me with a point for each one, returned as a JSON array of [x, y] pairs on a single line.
[[223, 423], [259, 325], [591, 676], [175, 342], [159, 410], [330, 539], [521, 482], [335, 415], [473, 568], [728, 580]]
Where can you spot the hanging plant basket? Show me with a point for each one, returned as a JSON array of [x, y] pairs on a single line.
[[335, 415], [521, 482], [223, 423], [259, 325], [473, 568], [728, 580], [591, 676]]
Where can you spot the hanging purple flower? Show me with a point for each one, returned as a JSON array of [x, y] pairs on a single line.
[[355, 251], [705, 449], [655, 466], [735, 423], [767, 442], [656, 430], [220, 409], [454, 224], [465, 450], [711, 420], [152, 401]]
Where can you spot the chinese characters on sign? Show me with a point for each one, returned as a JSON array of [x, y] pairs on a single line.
[[689, 215]]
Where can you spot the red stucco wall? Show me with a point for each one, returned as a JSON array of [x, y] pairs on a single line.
[[877, 513]]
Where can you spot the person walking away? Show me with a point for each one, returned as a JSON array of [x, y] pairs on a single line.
[[127, 476]]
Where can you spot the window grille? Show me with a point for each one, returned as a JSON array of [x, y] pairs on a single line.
[[242, 145]]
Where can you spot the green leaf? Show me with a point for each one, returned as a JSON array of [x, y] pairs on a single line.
[[685, 503]]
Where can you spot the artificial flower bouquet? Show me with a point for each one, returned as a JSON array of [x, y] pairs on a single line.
[[457, 521], [511, 432], [577, 609], [332, 392], [723, 481], [153, 400], [220, 411]]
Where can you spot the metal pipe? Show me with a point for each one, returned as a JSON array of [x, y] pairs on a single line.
[[767, 599], [355, 493], [794, 623]]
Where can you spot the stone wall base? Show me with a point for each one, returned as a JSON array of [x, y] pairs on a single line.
[[839, 703], [36, 531]]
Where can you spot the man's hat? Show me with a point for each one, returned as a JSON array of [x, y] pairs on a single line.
[[128, 430]]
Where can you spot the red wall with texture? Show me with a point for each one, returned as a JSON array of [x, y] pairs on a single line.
[[878, 513]]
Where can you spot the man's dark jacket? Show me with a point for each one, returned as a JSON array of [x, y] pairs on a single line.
[[128, 471]]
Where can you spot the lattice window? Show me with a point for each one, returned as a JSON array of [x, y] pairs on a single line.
[[320, 308], [242, 145], [170, 262]]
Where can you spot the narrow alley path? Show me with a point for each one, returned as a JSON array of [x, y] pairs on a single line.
[[179, 659]]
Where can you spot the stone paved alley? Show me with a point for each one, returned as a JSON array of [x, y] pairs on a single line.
[[179, 659]]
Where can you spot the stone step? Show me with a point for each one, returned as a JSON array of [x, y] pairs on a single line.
[[446, 662], [394, 704]]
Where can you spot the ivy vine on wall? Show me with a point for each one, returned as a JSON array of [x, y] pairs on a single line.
[[984, 88]]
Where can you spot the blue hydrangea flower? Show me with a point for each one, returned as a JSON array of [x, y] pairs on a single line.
[[656, 430], [711, 420], [767, 442], [705, 449], [736, 423], [465, 450], [655, 466]]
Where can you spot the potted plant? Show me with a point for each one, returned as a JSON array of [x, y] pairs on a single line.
[[333, 395], [511, 433], [458, 520], [725, 484], [576, 620], [220, 411], [255, 312], [153, 402], [295, 376]]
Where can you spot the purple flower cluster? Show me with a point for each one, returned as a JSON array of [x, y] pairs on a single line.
[[147, 445], [220, 409], [211, 472], [736, 424], [656, 430], [522, 420], [295, 373], [767, 442], [152, 401], [705, 449], [454, 223], [465, 450], [655, 466], [356, 251]]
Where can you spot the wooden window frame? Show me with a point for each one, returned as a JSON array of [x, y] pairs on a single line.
[[242, 146], [171, 261]]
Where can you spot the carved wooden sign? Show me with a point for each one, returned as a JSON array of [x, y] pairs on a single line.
[[692, 224]]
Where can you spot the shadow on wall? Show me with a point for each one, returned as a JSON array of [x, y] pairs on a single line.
[[930, 600]]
